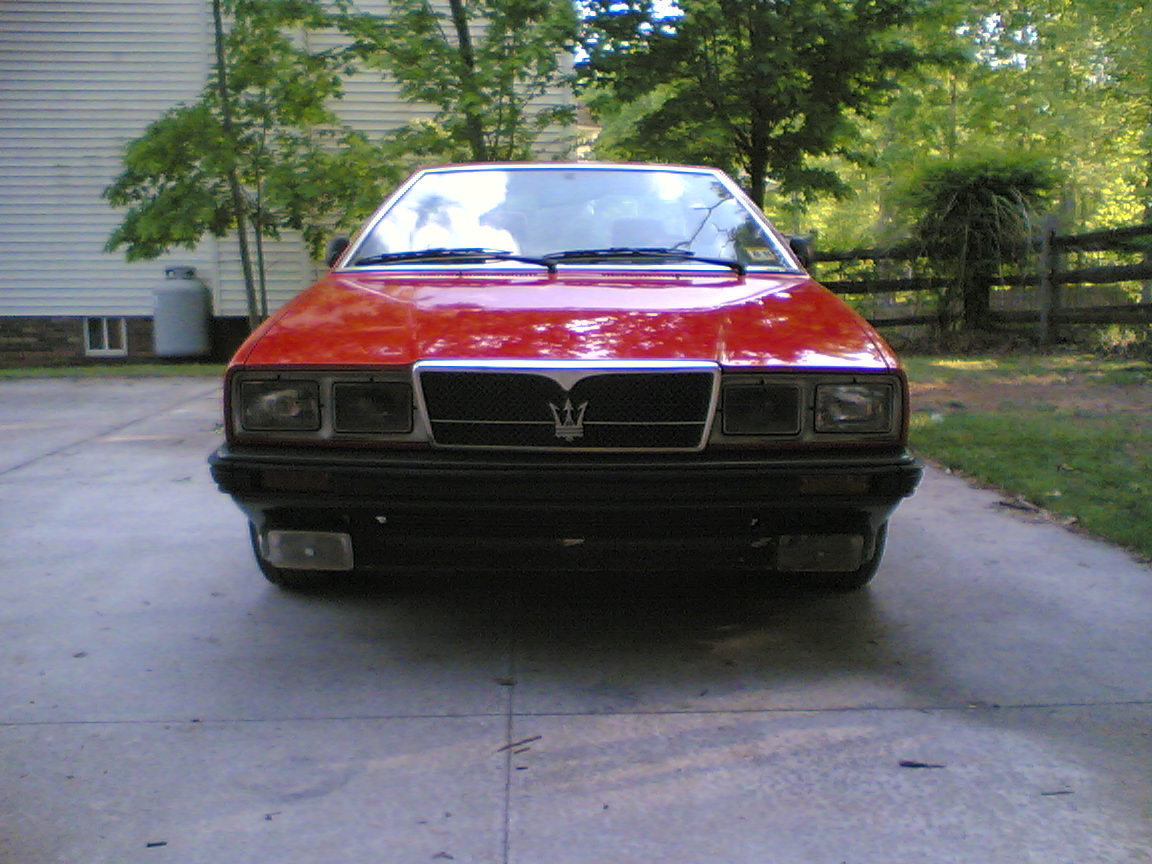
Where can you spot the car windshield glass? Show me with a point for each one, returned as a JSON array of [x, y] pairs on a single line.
[[545, 212]]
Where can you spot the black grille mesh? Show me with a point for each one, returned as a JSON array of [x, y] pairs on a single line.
[[603, 411]]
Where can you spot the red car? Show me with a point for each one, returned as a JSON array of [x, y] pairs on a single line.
[[573, 366]]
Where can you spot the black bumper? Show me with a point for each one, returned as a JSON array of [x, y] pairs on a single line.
[[418, 508]]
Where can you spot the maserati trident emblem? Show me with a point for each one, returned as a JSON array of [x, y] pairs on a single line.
[[569, 419]]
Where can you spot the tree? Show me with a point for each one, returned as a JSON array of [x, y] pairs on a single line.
[[1064, 77], [259, 152], [755, 86], [1071, 79], [483, 64]]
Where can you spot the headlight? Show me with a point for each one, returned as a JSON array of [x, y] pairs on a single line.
[[854, 407], [280, 406], [761, 409], [373, 407]]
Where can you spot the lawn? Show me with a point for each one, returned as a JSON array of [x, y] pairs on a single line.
[[1071, 434]]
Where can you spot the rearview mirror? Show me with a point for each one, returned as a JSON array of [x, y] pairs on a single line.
[[802, 248], [336, 247]]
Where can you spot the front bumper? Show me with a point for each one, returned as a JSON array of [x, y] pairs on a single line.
[[425, 508]]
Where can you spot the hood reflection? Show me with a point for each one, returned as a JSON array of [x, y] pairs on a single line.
[[761, 321]]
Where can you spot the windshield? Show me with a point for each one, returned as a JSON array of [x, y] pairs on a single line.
[[542, 212]]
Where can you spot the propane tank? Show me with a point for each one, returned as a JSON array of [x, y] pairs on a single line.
[[181, 309]]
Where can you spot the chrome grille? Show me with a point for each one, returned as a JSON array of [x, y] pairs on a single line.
[[576, 406]]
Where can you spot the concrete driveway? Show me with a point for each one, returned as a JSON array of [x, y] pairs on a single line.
[[988, 700]]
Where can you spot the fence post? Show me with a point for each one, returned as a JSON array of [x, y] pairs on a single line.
[[1049, 299]]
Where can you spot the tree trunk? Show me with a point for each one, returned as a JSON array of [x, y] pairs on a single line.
[[238, 205], [258, 234], [758, 165], [977, 296], [473, 121]]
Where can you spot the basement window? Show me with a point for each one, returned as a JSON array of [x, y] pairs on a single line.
[[105, 337]]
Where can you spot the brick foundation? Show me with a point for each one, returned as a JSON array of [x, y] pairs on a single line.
[[59, 341]]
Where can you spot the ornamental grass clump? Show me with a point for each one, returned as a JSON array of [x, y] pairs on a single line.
[[972, 217]]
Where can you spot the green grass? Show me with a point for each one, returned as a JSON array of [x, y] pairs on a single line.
[[124, 370], [1084, 454]]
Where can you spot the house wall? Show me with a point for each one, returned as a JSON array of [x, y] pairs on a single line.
[[79, 79]]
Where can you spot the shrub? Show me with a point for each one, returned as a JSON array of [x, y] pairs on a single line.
[[970, 215]]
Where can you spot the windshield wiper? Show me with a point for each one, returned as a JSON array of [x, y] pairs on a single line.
[[458, 255], [649, 252]]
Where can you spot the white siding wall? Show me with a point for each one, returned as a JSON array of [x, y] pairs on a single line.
[[287, 269], [79, 79]]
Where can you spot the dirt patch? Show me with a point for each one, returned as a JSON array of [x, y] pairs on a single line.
[[1071, 394]]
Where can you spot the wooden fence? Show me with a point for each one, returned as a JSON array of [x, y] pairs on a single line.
[[1102, 277]]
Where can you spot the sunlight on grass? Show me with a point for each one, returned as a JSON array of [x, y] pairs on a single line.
[[965, 364]]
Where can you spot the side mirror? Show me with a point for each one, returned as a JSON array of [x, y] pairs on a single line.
[[802, 249], [336, 247]]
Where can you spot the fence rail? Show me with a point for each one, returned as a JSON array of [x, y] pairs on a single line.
[[1041, 266]]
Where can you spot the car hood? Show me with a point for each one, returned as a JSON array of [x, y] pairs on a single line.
[[388, 317]]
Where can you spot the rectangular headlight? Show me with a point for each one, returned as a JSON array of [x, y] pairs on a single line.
[[373, 407], [757, 408], [279, 406], [867, 407]]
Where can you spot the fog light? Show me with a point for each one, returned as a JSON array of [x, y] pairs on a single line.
[[761, 409], [373, 407], [820, 553], [307, 550]]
